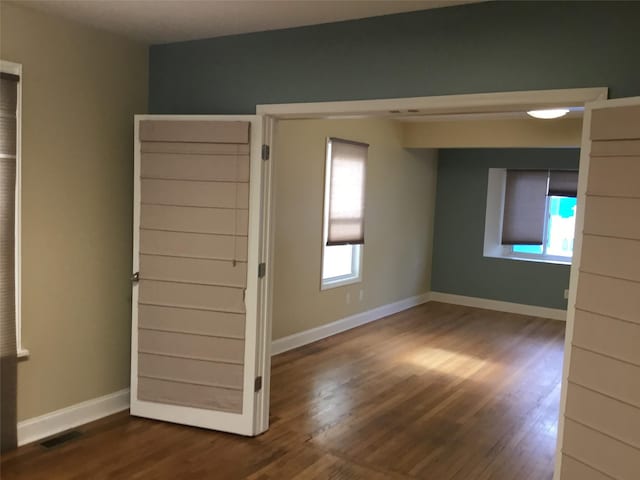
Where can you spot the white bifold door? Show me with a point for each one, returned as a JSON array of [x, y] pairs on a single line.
[[199, 351], [599, 434]]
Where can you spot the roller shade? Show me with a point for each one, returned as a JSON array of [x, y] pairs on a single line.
[[346, 176], [194, 221], [524, 207], [8, 348], [563, 183]]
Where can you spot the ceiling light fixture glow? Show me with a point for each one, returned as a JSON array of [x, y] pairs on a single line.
[[548, 114]]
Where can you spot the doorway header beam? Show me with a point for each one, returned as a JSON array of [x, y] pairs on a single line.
[[445, 104]]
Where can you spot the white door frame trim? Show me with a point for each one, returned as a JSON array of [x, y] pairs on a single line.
[[468, 103]]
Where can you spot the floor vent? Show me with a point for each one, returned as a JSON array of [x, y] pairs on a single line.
[[60, 439]]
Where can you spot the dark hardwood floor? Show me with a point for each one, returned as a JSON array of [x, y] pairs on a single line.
[[437, 392]]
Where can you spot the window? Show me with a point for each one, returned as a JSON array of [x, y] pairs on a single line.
[[343, 225], [10, 171], [531, 214], [559, 227]]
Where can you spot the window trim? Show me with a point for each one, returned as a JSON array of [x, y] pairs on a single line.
[[493, 247], [339, 281], [356, 256], [16, 69]]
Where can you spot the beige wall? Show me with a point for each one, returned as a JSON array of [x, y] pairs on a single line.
[[400, 200], [81, 88], [564, 132]]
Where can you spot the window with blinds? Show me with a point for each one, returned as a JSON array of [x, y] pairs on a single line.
[[524, 207], [345, 174], [8, 343], [343, 232], [531, 214], [539, 213]]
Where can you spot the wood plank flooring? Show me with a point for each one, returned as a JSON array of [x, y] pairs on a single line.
[[437, 392]]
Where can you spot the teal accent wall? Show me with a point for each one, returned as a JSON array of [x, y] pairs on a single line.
[[484, 47], [459, 266]]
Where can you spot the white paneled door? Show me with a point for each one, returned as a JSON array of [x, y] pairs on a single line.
[[599, 432], [199, 352]]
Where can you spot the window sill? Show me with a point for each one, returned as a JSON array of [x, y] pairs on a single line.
[[329, 284], [23, 354], [531, 259]]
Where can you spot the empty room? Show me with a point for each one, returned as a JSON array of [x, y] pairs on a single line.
[[320, 239]]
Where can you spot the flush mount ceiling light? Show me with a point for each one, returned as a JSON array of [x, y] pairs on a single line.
[[549, 113]]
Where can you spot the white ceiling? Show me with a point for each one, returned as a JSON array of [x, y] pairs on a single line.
[[164, 21]]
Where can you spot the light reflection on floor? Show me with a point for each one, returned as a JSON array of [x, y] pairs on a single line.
[[446, 362], [335, 401]]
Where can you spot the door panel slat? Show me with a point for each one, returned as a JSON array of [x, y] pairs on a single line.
[[574, 470], [613, 217], [617, 123], [195, 220], [192, 321], [615, 147], [621, 422], [606, 375], [212, 272], [609, 296], [614, 176], [184, 148], [613, 257], [609, 336], [217, 168], [182, 394], [203, 245], [193, 371], [617, 459], [170, 294], [195, 194], [191, 346], [194, 131]]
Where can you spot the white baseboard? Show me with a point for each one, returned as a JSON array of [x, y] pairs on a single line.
[[37, 428], [58, 421], [313, 335], [531, 310]]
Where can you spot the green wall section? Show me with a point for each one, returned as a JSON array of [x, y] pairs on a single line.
[[485, 47], [459, 266]]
